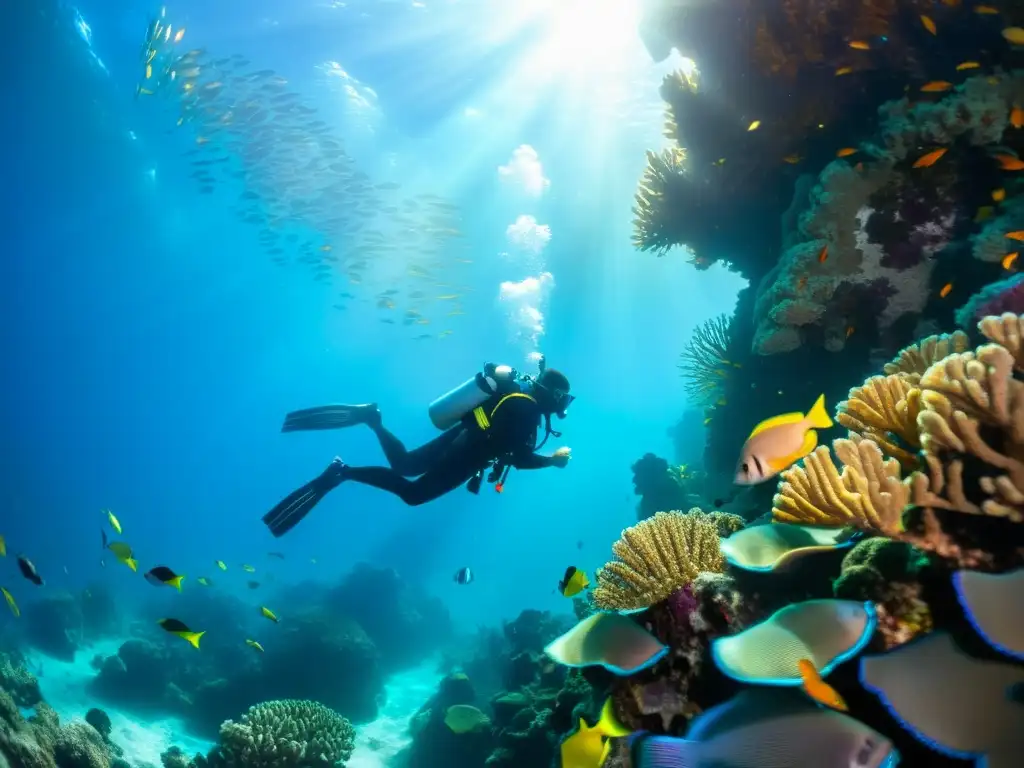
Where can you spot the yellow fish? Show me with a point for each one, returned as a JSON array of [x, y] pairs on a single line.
[[204, 581], [859, 45], [928, 24], [815, 687], [589, 746], [998, 195], [1016, 235], [254, 644], [114, 522], [1009, 260], [269, 614], [176, 627], [10, 602], [967, 65], [1014, 35], [780, 441], [843, 71], [220, 564], [123, 553], [3, 547], [178, 35], [248, 568], [574, 582], [754, 125]]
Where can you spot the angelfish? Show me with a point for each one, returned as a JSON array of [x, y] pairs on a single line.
[[779, 442]]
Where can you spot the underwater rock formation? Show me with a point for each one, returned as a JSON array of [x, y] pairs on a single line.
[[659, 486], [51, 625], [434, 743], [404, 623], [19, 683]]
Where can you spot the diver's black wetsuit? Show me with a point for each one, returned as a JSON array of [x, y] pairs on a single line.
[[440, 466], [453, 458]]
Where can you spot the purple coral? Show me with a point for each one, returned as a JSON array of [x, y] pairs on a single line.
[[682, 603], [995, 299]]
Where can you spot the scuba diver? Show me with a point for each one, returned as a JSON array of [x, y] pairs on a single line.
[[490, 424]]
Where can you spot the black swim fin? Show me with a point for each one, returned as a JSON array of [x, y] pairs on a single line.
[[330, 417], [291, 510]]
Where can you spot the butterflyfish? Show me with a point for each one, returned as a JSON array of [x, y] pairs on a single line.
[[268, 614], [162, 575], [815, 687], [180, 629], [9, 598], [779, 442], [574, 582]]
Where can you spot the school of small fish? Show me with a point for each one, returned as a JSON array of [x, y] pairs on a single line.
[[258, 142]]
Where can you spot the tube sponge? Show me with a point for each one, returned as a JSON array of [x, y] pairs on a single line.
[[287, 734], [656, 557]]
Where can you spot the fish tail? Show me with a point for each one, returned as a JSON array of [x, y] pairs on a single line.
[[818, 416], [193, 638], [132, 563], [649, 750], [176, 582]]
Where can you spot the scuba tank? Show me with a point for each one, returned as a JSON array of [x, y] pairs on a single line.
[[447, 410]]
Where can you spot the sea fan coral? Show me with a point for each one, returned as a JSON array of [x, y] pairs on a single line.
[[657, 557], [704, 362], [287, 734], [868, 493], [884, 409]]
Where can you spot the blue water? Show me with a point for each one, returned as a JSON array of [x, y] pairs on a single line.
[[151, 348]]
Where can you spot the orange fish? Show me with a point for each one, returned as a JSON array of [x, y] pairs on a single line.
[[936, 86], [823, 254], [967, 65], [986, 10], [818, 689], [998, 195], [929, 24], [945, 290], [843, 71], [930, 159], [849, 331], [1017, 117], [846, 152], [1010, 163], [792, 159], [1009, 260], [1017, 235], [860, 45]]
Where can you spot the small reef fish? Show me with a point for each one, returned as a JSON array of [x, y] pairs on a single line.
[[1010, 163], [464, 718], [28, 570], [1016, 234], [780, 441], [204, 581], [754, 125], [9, 598], [860, 45], [254, 644], [114, 522], [1014, 35], [124, 554], [843, 71], [268, 614], [1009, 260], [998, 195], [1017, 117], [179, 628], [967, 65], [574, 582], [464, 576], [815, 687], [936, 86], [3, 547], [928, 24], [589, 746], [248, 568], [930, 159], [162, 575], [220, 564], [846, 152], [986, 10], [944, 292], [792, 159], [823, 254]]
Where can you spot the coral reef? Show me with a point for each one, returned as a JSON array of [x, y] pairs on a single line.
[[705, 363], [658, 485], [286, 734], [656, 557], [52, 625], [19, 683]]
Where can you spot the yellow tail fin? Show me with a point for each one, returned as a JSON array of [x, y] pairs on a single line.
[[818, 416], [176, 582], [193, 638], [131, 563]]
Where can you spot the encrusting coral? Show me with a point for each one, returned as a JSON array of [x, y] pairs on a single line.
[[287, 734], [867, 493], [656, 557]]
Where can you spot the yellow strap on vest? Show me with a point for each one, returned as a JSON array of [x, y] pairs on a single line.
[[483, 420]]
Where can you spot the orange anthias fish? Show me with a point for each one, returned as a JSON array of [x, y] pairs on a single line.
[[986, 10], [945, 290], [860, 45], [998, 195], [1018, 235], [930, 159], [967, 65], [1009, 260], [846, 152], [823, 254], [929, 24], [1017, 117], [843, 71], [936, 86], [815, 687], [777, 443], [1010, 163]]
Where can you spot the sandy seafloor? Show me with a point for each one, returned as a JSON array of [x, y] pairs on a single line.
[[65, 688]]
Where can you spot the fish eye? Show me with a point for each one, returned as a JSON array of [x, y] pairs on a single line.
[[745, 468]]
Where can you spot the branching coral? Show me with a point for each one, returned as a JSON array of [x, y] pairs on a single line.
[[974, 409], [1006, 329], [704, 362], [884, 409], [867, 493], [655, 558], [287, 734], [914, 360]]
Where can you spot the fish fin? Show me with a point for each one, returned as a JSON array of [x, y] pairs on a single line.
[[176, 582], [818, 416], [608, 724], [777, 421], [809, 444], [132, 563], [193, 638], [655, 751]]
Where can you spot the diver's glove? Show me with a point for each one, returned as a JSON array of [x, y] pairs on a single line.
[[560, 458]]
